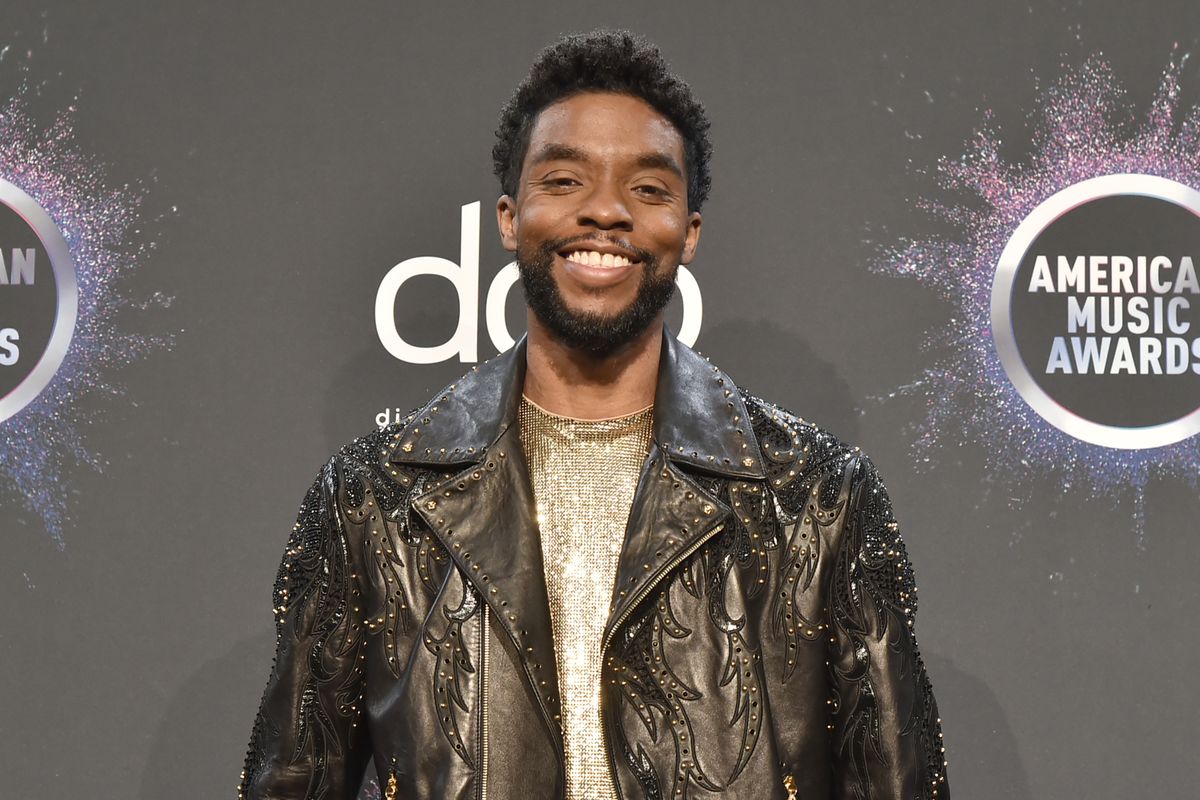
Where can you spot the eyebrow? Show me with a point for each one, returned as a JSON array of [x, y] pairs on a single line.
[[556, 151], [659, 161], [553, 151]]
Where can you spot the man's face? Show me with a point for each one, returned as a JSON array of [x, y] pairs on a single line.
[[600, 223]]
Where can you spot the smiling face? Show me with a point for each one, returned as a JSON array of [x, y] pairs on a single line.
[[600, 223]]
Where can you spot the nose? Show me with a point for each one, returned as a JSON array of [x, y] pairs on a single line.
[[604, 207]]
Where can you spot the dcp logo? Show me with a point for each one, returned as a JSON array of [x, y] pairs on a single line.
[[39, 299], [464, 276]]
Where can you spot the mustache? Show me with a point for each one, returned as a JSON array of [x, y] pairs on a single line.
[[556, 245]]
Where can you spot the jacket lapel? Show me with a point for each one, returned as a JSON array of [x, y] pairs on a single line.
[[500, 553], [670, 518], [483, 512], [700, 425]]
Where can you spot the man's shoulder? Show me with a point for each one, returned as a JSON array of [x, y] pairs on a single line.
[[366, 456], [798, 451], [376, 441], [800, 458]]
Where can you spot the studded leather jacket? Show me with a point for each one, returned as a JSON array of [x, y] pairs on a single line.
[[759, 643]]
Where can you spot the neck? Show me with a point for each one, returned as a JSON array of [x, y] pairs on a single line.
[[569, 383]]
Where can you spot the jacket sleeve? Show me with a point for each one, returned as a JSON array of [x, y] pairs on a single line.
[[887, 736], [308, 741]]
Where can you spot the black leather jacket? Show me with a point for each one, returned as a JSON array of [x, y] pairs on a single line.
[[759, 643]]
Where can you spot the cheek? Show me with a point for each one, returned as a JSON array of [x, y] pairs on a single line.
[[540, 219], [670, 233]]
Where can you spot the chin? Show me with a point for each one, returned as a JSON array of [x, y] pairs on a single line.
[[597, 314]]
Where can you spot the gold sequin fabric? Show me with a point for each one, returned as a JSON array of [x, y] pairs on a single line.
[[584, 474]]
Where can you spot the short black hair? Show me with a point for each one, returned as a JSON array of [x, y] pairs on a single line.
[[603, 61]]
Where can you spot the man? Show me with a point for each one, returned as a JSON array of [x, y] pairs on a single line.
[[595, 567]]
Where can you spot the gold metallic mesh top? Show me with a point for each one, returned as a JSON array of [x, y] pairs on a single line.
[[584, 474]]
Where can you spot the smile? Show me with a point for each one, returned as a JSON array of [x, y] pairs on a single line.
[[592, 258]]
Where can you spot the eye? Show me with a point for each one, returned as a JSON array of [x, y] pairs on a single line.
[[559, 180], [652, 191]]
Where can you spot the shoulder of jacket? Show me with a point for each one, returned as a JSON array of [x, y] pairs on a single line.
[[361, 463], [371, 447], [797, 450]]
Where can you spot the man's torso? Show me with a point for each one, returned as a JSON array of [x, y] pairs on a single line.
[[758, 635]]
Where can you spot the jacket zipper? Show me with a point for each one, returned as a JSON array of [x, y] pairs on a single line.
[[676, 561], [483, 702]]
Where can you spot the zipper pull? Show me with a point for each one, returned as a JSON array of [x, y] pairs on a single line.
[[390, 792], [789, 783]]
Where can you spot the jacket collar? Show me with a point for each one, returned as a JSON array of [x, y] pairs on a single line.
[[700, 419]]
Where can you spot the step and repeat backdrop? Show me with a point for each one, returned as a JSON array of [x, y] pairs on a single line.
[[235, 236]]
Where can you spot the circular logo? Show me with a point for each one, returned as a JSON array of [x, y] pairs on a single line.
[[1096, 311], [39, 299]]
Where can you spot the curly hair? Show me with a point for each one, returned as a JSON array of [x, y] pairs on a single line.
[[603, 61]]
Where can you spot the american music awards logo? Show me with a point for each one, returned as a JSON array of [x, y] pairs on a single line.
[[1072, 357], [39, 299], [1093, 315], [67, 237]]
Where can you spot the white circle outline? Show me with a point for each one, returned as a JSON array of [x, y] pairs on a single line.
[[1004, 336], [68, 299]]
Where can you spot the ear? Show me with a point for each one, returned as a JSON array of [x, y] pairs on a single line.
[[693, 238], [506, 221]]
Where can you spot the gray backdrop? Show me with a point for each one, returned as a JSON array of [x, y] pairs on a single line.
[[309, 149]]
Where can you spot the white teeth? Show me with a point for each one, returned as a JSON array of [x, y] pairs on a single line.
[[593, 258]]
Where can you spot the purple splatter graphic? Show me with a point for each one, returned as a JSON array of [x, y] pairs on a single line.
[[103, 229], [1084, 128]]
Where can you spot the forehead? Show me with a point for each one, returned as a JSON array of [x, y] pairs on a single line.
[[606, 125]]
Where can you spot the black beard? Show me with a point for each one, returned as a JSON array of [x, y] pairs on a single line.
[[588, 331]]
